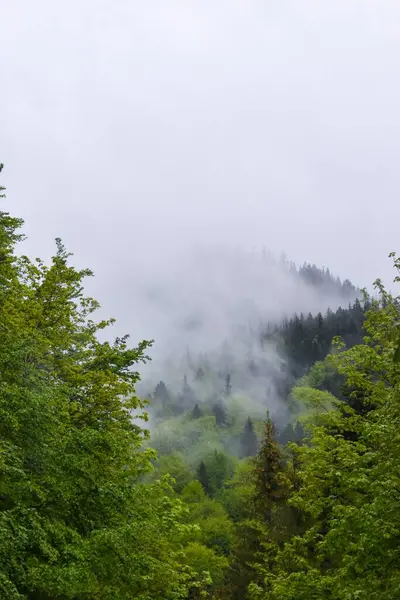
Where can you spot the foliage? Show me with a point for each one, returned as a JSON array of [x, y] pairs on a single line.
[[173, 465], [269, 484], [348, 482], [248, 440], [225, 511], [75, 522], [304, 341]]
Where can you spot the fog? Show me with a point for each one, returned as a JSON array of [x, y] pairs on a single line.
[[208, 311], [166, 141]]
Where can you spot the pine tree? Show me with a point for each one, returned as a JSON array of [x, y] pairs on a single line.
[[248, 440]]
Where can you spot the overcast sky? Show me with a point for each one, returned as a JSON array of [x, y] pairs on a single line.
[[135, 127]]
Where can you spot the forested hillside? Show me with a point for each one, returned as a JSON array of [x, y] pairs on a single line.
[[275, 479]]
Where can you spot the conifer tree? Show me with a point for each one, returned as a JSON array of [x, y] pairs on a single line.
[[187, 397], [228, 385], [197, 412], [200, 373], [161, 394], [346, 483], [248, 440], [202, 476], [219, 412], [267, 472]]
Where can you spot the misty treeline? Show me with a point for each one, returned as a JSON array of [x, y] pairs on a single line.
[[210, 395], [237, 503]]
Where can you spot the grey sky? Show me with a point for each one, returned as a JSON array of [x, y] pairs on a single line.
[[133, 128]]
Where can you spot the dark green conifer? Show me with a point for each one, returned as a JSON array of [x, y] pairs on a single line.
[[197, 412], [202, 476], [219, 412], [248, 440], [267, 472]]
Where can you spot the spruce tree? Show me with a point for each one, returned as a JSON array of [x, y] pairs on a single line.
[[220, 467], [248, 440], [228, 385], [200, 373], [202, 476], [187, 397], [287, 435], [219, 412], [161, 394], [196, 412], [267, 472]]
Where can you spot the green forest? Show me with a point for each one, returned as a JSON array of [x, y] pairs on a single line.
[[105, 494]]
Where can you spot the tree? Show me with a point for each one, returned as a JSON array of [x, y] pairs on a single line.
[[220, 467], [175, 466], [304, 341], [248, 440], [161, 394], [238, 492], [203, 477], [268, 473], [348, 485], [209, 567], [228, 385], [187, 397], [75, 521], [197, 412], [258, 536], [219, 412], [200, 374]]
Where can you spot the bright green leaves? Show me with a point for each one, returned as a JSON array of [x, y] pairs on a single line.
[[74, 521], [347, 488]]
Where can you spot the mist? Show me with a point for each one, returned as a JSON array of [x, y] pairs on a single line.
[[207, 310], [144, 127], [165, 142], [229, 172]]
